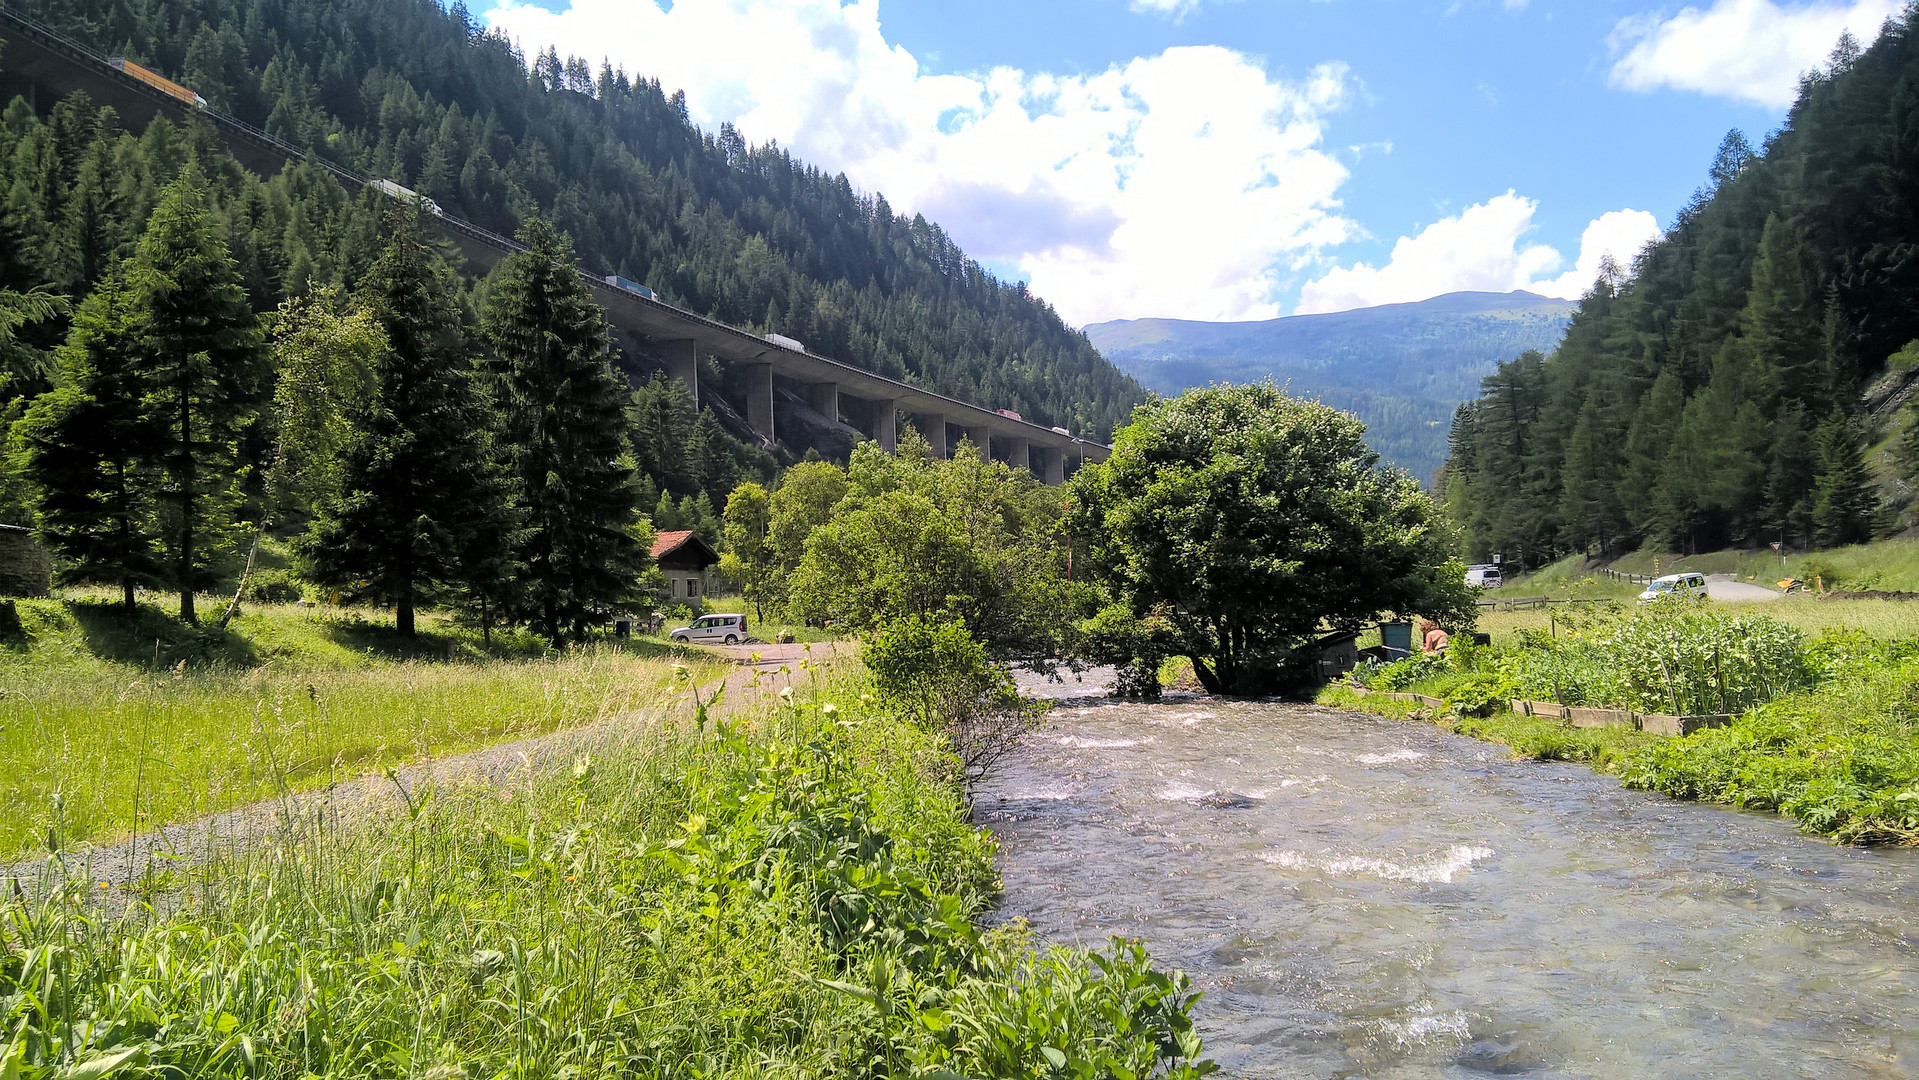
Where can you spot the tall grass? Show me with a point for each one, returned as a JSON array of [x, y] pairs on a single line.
[[97, 746], [795, 902]]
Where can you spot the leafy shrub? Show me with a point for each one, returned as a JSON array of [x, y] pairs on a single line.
[[1026, 1013], [1137, 646], [1400, 674], [1689, 660], [1842, 760], [1479, 695], [938, 675]]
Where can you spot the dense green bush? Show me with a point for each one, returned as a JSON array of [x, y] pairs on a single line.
[[937, 673]]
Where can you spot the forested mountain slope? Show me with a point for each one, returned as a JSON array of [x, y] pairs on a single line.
[[410, 91], [1714, 396], [1400, 367]]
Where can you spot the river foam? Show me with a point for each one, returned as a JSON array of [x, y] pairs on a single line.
[[1438, 867], [1389, 757], [1075, 742]]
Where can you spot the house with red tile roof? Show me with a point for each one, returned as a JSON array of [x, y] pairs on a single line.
[[685, 559]]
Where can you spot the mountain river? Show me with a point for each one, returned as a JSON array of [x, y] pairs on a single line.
[[1368, 897]]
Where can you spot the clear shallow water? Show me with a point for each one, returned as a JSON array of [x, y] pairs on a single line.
[[1367, 897]]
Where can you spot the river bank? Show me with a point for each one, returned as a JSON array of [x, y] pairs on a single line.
[[1363, 896], [793, 891]]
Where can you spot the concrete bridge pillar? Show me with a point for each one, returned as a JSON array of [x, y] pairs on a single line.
[[825, 399], [683, 363], [886, 430], [935, 431], [1055, 465], [1018, 455], [759, 399], [982, 437]]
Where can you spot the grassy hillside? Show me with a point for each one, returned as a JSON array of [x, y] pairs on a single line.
[[1400, 367]]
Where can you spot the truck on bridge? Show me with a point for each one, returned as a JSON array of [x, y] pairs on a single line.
[[157, 81]]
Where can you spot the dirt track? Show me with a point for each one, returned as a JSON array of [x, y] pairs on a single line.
[[776, 666]]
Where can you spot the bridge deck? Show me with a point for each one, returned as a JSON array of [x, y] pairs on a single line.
[[61, 65]]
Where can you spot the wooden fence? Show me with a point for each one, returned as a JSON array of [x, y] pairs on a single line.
[[1634, 579], [1534, 603]]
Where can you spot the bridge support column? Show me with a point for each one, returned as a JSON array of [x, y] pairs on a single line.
[[886, 426], [1018, 455], [935, 432], [982, 437], [1055, 465], [825, 399], [683, 363], [759, 399]]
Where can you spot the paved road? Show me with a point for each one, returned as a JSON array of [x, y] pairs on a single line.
[[1726, 587]]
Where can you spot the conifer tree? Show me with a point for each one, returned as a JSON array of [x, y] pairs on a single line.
[[1790, 479], [563, 431], [202, 368], [424, 505], [1843, 500], [90, 449]]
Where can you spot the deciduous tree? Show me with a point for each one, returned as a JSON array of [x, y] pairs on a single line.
[[1254, 521]]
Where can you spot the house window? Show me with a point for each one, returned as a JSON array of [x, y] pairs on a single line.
[[692, 587], [676, 588]]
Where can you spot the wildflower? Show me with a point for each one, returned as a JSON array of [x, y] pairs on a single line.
[[786, 694], [829, 710]]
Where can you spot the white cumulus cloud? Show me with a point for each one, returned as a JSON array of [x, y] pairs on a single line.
[[1484, 249], [1747, 50], [1184, 184]]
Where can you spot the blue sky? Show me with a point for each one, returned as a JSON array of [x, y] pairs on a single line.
[[1240, 158]]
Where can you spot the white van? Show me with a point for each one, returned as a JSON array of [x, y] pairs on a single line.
[[712, 630], [1690, 585], [1486, 576]]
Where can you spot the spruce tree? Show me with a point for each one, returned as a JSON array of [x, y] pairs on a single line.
[[90, 449], [563, 427], [202, 369], [1843, 499], [424, 506]]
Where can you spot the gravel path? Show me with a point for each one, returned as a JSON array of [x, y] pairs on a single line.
[[763, 671]]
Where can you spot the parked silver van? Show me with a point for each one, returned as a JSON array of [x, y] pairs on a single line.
[[712, 630], [1692, 585], [1484, 575]]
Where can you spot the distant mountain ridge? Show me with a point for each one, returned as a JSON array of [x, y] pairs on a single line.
[[1400, 367]]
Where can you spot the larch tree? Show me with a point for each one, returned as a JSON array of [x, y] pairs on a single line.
[[90, 447], [203, 371], [562, 415], [423, 504]]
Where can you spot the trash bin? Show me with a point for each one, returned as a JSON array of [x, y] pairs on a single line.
[[623, 628], [1397, 637]]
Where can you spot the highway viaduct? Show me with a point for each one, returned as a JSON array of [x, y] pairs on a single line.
[[48, 62]]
